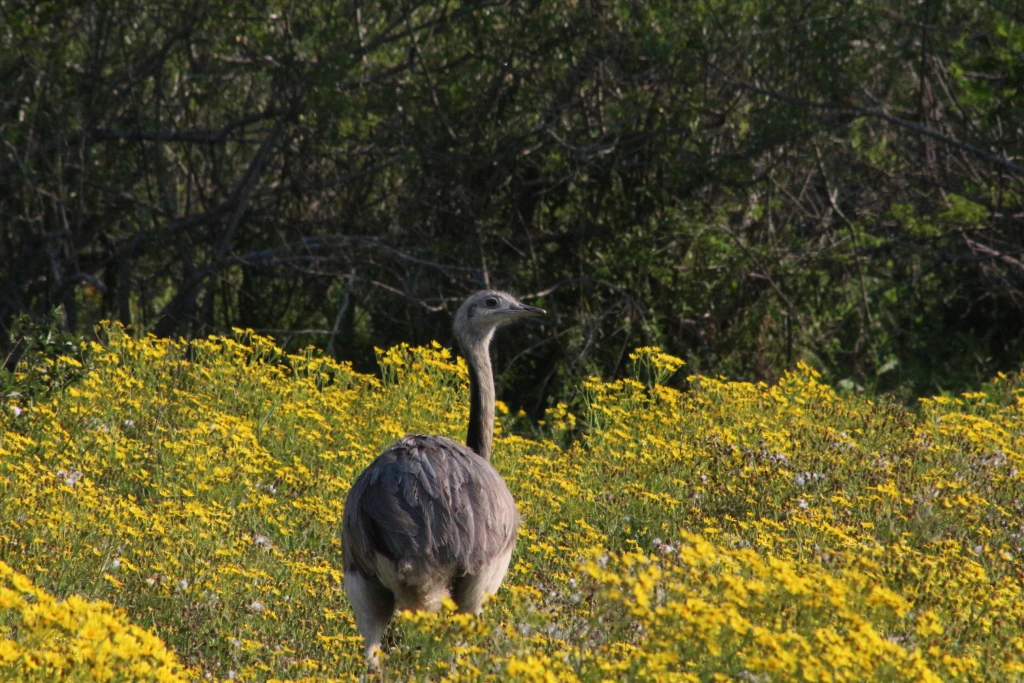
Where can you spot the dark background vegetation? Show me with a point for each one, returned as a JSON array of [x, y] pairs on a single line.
[[746, 184]]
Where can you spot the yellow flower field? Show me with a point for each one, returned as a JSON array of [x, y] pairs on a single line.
[[174, 514]]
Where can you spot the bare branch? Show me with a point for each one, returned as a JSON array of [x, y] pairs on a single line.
[[979, 248]]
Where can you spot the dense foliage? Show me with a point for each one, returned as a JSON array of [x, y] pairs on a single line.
[[746, 184], [732, 532]]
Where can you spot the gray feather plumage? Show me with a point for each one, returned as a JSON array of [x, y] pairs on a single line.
[[431, 518], [428, 503]]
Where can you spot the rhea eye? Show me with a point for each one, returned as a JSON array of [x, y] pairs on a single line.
[[491, 302]]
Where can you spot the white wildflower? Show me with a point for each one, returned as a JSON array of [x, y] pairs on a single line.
[[69, 477]]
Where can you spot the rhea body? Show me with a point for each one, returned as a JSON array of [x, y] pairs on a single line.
[[430, 517]]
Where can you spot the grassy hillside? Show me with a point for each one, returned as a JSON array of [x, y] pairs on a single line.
[[731, 532]]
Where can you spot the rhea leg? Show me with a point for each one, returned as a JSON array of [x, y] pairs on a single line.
[[373, 605], [469, 591]]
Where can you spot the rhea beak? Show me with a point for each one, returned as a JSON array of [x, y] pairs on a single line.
[[531, 311]]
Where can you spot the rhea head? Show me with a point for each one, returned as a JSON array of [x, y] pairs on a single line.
[[484, 312]]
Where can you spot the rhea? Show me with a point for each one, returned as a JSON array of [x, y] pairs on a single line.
[[431, 518]]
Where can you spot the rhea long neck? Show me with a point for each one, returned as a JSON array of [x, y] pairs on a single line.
[[480, 435]]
